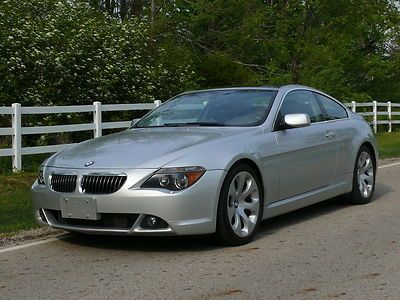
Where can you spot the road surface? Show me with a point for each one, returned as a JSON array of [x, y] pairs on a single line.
[[327, 251]]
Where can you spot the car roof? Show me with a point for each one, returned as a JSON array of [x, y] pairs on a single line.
[[264, 87]]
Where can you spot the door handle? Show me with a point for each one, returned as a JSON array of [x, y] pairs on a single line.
[[330, 134]]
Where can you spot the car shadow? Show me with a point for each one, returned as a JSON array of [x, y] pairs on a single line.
[[273, 225], [381, 190], [205, 242], [143, 243]]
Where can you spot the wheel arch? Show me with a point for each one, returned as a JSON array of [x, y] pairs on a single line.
[[370, 147], [222, 233], [355, 195], [251, 163]]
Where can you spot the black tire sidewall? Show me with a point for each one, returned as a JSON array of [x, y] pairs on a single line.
[[356, 196]]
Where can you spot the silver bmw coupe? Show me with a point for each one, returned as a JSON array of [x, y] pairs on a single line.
[[211, 162]]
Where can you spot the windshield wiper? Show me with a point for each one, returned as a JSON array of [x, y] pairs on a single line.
[[206, 123], [194, 124]]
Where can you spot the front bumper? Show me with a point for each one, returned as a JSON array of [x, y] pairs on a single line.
[[188, 212]]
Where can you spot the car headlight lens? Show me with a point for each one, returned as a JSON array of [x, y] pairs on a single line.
[[182, 181], [174, 179], [40, 178]]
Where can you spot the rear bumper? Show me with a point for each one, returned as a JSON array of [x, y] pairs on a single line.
[[188, 212]]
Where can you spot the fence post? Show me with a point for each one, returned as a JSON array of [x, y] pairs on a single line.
[[389, 111], [353, 106], [97, 119], [157, 103], [375, 116], [16, 138]]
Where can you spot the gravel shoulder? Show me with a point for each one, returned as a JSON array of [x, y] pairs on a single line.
[[15, 238]]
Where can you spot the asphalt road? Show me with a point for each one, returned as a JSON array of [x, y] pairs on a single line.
[[326, 251]]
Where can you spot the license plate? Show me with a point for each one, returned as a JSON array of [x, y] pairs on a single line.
[[79, 208]]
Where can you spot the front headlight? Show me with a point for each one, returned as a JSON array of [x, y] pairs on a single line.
[[40, 178], [174, 179]]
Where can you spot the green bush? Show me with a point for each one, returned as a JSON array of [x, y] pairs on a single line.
[[65, 52]]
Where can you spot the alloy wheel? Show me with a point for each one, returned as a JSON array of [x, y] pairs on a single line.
[[243, 204], [365, 174]]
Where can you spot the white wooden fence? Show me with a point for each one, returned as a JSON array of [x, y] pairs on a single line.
[[386, 109], [17, 130]]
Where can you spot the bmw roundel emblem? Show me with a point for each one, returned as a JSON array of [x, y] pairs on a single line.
[[89, 163]]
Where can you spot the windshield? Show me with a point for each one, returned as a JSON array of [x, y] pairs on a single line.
[[212, 108]]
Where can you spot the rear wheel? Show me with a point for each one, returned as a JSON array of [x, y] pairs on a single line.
[[240, 206], [363, 177]]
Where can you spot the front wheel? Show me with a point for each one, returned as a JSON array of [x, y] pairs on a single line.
[[363, 177], [240, 206]]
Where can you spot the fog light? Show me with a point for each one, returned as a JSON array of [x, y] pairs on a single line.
[[151, 221], [42, 216]]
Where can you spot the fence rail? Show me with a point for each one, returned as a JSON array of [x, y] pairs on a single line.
[[17, 131], [378, 109]]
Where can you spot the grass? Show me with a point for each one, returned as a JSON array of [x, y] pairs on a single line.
[[16, 211], [389, 144], [30, 163]]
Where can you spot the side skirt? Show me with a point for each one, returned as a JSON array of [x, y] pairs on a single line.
[[340, 185]]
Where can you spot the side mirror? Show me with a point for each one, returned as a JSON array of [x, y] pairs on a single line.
[[134, 121], [296, 120]]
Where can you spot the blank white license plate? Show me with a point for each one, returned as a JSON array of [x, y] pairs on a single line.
[[79, 208]]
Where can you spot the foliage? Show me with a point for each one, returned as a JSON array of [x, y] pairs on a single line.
[[347, 48], [55, 52], [80, 51]]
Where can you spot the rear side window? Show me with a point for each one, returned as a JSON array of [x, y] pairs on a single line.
[[333, 110], [302, 102]]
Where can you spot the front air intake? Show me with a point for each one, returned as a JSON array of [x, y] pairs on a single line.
[[63, 183], [96, 184]]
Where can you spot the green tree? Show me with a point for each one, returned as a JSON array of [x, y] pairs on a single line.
[[339, 46], [133, 50]]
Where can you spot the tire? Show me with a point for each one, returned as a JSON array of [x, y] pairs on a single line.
[[363, 177], [240, 206]]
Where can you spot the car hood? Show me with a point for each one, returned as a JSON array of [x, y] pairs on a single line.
[[139, 148]]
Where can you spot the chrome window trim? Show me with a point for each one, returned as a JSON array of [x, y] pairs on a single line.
[[337, 102], [260, 123], [308, 90]]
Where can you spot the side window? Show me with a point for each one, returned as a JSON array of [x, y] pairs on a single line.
[[332, 109], [301, 102]]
